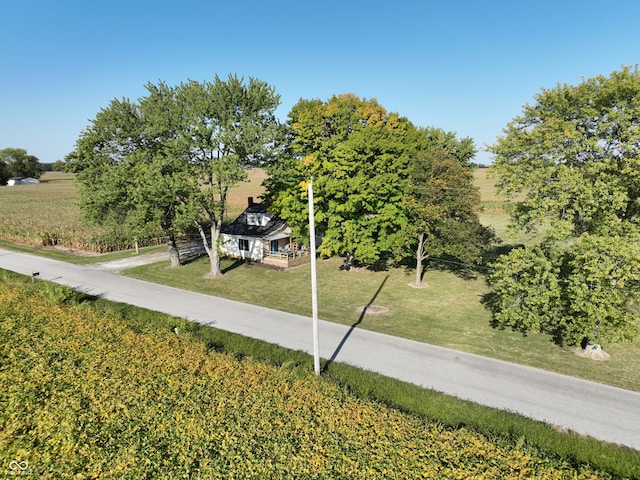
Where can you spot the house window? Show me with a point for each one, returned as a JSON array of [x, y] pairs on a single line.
[[243, 244], [254, 219]]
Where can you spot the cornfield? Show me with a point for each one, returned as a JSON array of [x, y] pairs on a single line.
[[48, 214]]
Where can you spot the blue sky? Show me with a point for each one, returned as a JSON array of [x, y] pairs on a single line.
[[463, 66]]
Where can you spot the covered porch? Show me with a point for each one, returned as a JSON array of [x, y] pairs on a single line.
[[280, 251]]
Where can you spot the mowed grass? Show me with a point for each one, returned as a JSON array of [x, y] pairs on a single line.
[[448, 313]]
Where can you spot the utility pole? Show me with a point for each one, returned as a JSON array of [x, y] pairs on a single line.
[[314, 286]]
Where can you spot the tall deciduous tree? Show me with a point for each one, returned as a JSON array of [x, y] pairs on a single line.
[[224, 127], [441, 202], [127, 181], [358, 155], [575, 156], [171, 158], [18, 163]]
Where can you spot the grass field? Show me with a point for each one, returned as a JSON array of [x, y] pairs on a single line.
[[494, 210]]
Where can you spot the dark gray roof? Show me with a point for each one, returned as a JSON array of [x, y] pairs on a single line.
[[240, 226]]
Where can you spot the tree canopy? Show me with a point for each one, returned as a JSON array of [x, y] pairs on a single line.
[[16, 162], [168, 160], [575, 294], [575, 156], [384, 189], [441, 202], [358, 155], [126, 178], [223, 127]]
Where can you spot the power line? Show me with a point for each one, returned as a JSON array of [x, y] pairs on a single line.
[[460, 263]]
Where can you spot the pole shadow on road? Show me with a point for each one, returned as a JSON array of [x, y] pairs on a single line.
[[353, 327]]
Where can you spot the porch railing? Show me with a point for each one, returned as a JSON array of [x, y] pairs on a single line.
[[286, 258]]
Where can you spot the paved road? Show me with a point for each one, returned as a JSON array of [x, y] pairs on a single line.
[[589, 408]]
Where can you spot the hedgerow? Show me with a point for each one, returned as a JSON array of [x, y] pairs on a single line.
[[85, 396]]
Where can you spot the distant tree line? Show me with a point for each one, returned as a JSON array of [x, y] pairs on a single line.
[[16, 162], [57, 166]]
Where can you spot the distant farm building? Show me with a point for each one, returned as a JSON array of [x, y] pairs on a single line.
[[22, 181]]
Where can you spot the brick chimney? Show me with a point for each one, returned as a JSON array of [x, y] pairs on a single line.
[[250, 201]]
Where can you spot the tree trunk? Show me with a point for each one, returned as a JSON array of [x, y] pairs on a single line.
[[419, 259], [214, 253], [174, 253], [420, 256], [212, 250]]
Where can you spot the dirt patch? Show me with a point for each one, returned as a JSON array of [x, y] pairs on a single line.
[[213, 276], [130, 262], [418, 285], [372, 309], [594, 352]]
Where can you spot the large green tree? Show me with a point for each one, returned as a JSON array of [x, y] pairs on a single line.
[[580, 293], [127, 179], [224, 127], [170, 159], [358, 155], [18, 163], [574, 155], [441, 201]]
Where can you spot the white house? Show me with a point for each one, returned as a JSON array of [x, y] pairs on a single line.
[[259, 236]]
